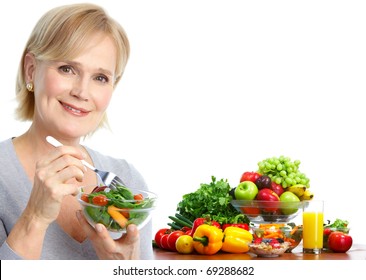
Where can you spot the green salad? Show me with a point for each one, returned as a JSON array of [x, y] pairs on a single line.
[[116, 208]]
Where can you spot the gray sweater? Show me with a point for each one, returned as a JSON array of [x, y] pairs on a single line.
[[15, 189]]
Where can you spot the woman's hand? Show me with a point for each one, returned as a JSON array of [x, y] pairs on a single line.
[[54, 179], [125, 248]]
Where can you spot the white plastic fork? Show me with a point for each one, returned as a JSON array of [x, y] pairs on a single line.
[[110, 179]]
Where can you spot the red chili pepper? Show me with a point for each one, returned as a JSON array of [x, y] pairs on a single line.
[[243, 225], [196, 223]]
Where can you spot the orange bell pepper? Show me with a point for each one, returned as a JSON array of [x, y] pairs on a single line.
[[116, 215]]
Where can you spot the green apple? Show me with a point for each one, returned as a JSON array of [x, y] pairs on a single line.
[[246, 190], [288, 196]]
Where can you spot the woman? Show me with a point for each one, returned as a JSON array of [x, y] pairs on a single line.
[[70, 67]]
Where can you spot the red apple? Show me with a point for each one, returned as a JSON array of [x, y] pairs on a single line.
[[339, 242], [270, 200], [251, 211], [249, 176], [278, 189]]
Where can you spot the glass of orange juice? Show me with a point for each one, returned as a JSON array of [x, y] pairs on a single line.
[[312, 219]]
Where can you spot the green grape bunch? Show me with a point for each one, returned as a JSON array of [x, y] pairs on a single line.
[[283, 171]]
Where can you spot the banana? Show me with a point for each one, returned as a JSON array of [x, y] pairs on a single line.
[[298, 189], [308, 195]]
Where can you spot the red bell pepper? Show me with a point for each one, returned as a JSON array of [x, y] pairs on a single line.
[[200, 221], [243, 226], [237, 222]]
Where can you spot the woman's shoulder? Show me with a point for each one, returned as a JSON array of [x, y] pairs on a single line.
[[6, 143], [7, 150]]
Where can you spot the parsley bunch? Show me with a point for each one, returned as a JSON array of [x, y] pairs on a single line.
[[211, 200]]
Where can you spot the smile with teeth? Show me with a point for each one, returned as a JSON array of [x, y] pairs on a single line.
[[74, 110]]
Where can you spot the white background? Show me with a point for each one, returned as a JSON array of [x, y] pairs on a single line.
[[214, 87]]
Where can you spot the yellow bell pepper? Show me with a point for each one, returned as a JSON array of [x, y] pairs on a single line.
[[207, 239], [236, 240]]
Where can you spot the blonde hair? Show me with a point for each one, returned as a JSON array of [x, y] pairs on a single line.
[[62, 33]]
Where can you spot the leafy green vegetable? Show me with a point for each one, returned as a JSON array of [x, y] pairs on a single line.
[[338, 223], [123, 198], [211, 200]]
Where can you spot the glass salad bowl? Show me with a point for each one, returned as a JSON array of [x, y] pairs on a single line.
[[290, 233], [116, 209], [260, 211]]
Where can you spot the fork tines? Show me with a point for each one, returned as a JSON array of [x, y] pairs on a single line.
[[117, 182]]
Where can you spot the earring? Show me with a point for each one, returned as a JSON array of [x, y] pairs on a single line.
[[29, 86]]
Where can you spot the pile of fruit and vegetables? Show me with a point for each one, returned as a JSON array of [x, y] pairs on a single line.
[[336, 236], [206, 222]]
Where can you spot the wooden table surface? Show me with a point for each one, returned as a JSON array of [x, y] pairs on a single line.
[[357, 252]]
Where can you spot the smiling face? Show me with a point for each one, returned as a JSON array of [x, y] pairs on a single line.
[[71, 96]]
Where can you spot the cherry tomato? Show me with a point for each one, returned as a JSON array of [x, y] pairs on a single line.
[[159, 234], [84, 197], [339, 242], [138, 197], [100, 200], [172, 238]]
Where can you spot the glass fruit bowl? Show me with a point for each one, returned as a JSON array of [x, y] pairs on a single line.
[[266, 249], [116, 209], [260, 211], [289, 232]]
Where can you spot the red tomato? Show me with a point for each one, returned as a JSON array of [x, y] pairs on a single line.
[[249, 176], [100, 200], [164, 242], [327, 231], [159, 234], [138, 197], [172, 238], [84, 197], [339, 242]]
